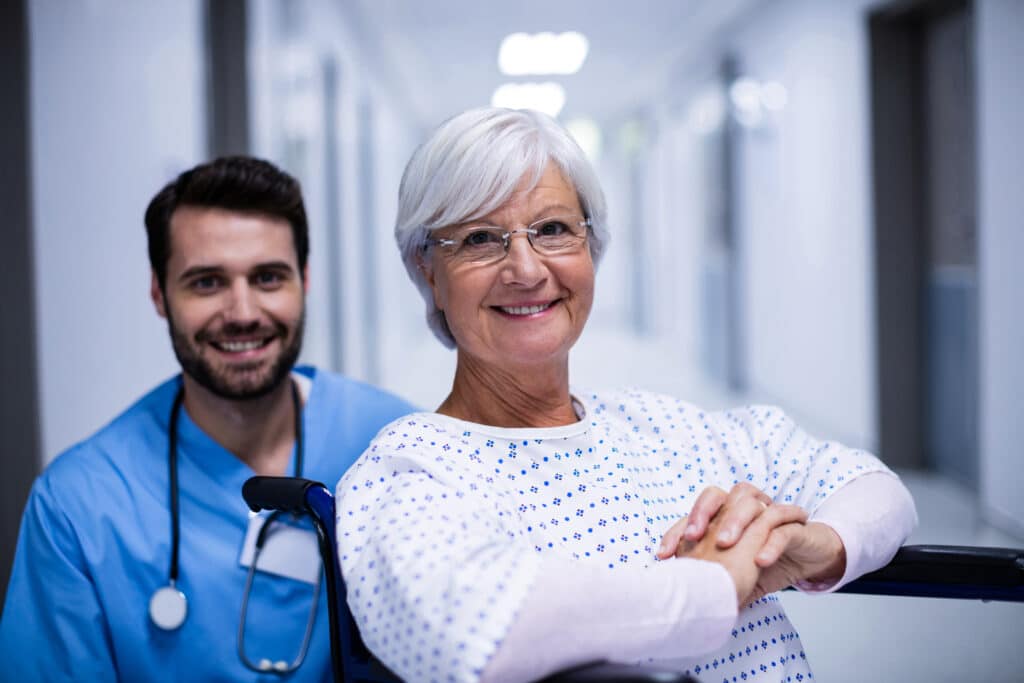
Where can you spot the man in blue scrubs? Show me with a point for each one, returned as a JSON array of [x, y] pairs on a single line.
[[228, 245]]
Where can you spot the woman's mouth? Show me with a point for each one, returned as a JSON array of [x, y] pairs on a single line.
[[527, 309]]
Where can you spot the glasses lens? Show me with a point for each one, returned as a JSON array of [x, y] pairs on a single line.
[[558, 234], [478, 243]]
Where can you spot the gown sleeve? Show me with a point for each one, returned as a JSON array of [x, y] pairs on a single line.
[[800, 470], [849, 489], [52, 628]]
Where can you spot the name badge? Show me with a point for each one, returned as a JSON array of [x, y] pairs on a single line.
[[288, 550]]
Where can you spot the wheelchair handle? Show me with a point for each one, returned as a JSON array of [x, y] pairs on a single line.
[[277, 493]]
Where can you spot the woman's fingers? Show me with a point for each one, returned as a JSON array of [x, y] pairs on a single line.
[[693, 526], [744, 489], [786, 523], [709, 502], [775, 546], [744, 504], [670, 540], [732, 513]]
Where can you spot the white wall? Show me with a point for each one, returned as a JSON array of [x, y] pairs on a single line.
[[117, 110], [999, 25], [290, 61], [805, 216]]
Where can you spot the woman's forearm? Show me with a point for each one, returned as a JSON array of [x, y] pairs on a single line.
[[873, 515], [576, 613]]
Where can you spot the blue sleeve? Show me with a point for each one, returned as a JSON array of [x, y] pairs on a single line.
[[52, 628]]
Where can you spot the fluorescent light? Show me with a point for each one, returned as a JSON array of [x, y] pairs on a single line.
[[745, 94], [774, 96], [525, 54], [546, 97]]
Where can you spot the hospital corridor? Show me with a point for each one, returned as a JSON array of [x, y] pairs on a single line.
[[811, 204]]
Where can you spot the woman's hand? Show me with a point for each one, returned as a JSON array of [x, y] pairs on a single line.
[[802, 552], [742, 505], [740, 558], [791, 550]]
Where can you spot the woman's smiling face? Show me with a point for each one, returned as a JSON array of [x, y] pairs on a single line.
[[526, 309]]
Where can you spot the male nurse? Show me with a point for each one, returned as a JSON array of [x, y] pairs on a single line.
[[136, 546]]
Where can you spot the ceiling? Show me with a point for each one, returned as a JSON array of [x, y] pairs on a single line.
[[443, 53]]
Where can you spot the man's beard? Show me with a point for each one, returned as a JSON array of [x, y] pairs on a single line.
[[236, 385]]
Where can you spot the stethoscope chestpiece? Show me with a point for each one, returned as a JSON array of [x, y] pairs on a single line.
[[168, 607]]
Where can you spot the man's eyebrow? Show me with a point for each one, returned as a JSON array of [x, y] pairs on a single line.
[[274, 265], [202, 271], [197, 271], [280, 265]]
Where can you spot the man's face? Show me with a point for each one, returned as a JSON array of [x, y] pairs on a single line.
[[234, 299]]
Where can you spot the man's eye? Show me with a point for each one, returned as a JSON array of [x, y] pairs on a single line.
[[268, 279], [553, 229], [207, 282], [479, 238]]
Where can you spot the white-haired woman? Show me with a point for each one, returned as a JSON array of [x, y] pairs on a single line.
[[525, 527]]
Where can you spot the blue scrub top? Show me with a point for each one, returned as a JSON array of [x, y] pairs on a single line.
[[95, 543]]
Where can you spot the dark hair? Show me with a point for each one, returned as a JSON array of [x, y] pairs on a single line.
[[236, 183]]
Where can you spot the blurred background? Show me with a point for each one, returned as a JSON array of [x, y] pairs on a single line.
[[813, 203]]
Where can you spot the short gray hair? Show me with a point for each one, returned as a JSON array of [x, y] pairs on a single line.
[[470, 166]]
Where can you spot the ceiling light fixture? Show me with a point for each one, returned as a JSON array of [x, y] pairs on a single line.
[[531, 54], [548, 97]]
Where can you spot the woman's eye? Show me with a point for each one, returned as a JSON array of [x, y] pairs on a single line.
[[479, 238], [553, 229]]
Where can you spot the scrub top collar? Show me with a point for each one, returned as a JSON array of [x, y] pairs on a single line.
[[198, 449]]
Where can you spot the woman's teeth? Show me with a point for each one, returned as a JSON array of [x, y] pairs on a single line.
[[525, 310]]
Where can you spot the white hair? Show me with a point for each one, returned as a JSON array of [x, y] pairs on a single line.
[[470, 166]]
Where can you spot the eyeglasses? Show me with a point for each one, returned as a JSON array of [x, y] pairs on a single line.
[[484, 244]]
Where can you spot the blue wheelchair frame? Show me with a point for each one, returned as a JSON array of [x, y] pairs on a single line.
[[960, 572]]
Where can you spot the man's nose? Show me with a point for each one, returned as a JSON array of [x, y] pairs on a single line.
[[242, 306]]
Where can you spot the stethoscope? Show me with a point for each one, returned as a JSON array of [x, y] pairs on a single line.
[[168, 607]]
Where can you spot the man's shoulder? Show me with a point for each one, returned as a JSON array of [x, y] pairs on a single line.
[[127, 438], [351, 395]]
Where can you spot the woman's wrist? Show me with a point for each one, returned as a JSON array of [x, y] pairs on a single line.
[[833, 555]]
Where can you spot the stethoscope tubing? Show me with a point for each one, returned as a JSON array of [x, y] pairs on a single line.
[[172, 468], [169, 606]]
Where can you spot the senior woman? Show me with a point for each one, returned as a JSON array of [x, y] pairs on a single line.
[[524, 526]]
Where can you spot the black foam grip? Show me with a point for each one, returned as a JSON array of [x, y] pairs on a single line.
[[277, 493], [943, 564]]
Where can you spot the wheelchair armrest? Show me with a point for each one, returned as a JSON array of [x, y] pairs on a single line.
[[942, 571], [277, 493], [605, 672]]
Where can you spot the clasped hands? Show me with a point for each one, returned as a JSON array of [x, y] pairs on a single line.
[[765, 546]]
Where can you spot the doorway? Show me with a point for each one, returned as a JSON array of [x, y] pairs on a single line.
[[923, 137]]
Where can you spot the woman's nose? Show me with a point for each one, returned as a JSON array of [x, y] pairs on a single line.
[[522, 265]]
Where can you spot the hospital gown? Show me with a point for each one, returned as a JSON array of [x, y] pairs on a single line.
[[444, 526], [95, 543]]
